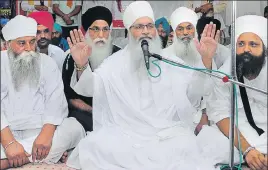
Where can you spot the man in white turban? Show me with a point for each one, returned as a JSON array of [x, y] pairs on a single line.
[[184, 21], [251, 69], [139, 122], [34, 126]]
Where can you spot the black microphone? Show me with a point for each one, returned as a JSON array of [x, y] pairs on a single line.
[[146, 54]]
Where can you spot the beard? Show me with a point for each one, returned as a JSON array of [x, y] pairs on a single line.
[[164, 41], [43, 43], [25, 68], [101, 49], [134, 46], [56, 41], [186, 49], [249, 65]]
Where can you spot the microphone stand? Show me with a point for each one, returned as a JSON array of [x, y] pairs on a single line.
[[159, 57]]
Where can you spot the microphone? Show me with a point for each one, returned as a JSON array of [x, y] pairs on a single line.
[[146, 54]]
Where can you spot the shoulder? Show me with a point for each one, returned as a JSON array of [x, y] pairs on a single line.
[[4, 59], [48, 64], [56, 50]]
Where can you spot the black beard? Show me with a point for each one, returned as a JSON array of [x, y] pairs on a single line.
[[45, 45], [56, 41], [248, 65], [164, 41]]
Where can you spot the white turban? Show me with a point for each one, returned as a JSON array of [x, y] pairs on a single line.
[[254, 24], [19, 26], [183, 14], [137, 10]]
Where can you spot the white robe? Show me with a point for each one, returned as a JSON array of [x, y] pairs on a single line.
[[221, 55], [211, 140], [25, 112], [139, 123]]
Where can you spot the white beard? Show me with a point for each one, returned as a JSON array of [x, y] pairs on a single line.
[[155, 46], [186, 51], [101, 49], [25, 68]]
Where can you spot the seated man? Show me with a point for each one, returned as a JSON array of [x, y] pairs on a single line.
[[44, 30], [251, 65], [97, 22], [34, 126], [57, 38], [140, 122]]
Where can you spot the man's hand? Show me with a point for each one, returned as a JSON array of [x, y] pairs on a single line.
[[80, 50], [203, 121], [208, 44], [80, 104], [43, 143], [16, 155], [256, 160]]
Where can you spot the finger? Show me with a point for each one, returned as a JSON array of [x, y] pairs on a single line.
[[39, 153], [82, 38], [27, 154], [43, 154], [11, 162], [20, 160], [73, 37], [69, 42], [46, 153], [15, 162], [217, 36], [34, 153], [204, 33], [209, 30], [263, 161], [213, 30], [258, 163], [24, 160], [252, 166], [197, 44], [77, 37]]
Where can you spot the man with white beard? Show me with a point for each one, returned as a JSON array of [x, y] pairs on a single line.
[[184, 22], [34, 126], [97, 21], [251, 69], [140, 122]]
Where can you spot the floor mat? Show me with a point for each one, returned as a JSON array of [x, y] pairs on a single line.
[[43, 166]]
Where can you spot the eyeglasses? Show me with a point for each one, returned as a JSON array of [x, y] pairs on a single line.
[[22, 43], [140, 27], [45, 31], [98, 29]]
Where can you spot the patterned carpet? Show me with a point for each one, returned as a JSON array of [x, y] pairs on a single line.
[[43, 167]]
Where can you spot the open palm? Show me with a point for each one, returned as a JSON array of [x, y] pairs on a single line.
[[209, 41], [80, 50]]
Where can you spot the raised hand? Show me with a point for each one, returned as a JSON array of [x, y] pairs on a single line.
[[256, 160], [80, 50], [208, 44]]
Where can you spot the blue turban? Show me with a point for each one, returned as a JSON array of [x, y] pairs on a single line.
[[164, 23], [57, 27], [3, 21]]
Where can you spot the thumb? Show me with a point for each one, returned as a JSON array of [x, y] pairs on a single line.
[[197, 44], [27, 154]]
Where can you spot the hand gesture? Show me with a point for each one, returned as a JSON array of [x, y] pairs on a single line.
[[41, 147], [256, 160], [16, 155], [208, 43], [80, 50]]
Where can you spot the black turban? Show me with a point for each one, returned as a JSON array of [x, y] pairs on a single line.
[[202, 22], [96, 13]]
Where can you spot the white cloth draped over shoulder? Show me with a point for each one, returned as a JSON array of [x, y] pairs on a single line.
[[139, 122], [218, 108]]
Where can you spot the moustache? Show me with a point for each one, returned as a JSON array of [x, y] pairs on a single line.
[[145, 38], [186, 38], [100, 41], [244, 57]]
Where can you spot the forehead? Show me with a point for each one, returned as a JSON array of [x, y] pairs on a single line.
[[185, 24], [41, 27], [27, 38], [249, 36], [100, 23], [143, 20]]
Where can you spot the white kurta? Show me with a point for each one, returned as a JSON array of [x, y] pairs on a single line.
[[140, 123], [25, 112], [221, 55], [57, 54], [218, 108]]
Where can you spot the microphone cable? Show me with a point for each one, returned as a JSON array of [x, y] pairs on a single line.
[[224, 79]]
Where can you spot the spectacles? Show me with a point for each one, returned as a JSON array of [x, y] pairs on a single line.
[[45, 31], [98, 29], [22, 43], [140, 27]]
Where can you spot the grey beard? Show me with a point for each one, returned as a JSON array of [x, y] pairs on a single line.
[[25, 69]]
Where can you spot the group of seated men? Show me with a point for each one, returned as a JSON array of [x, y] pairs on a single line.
[[135, 117]]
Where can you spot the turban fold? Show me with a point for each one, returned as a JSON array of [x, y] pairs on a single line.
[[43, 18], [19, 26], [183, 14], [164, 23], [96, 13], [136, 10], [254, 24]]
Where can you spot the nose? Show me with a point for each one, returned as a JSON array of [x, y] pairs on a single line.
[[27, 47], [145, 30], [100, 34], [246, 48], [185, 32]]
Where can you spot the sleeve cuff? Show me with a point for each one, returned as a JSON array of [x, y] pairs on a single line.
[[4, 122], [52, 120]]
